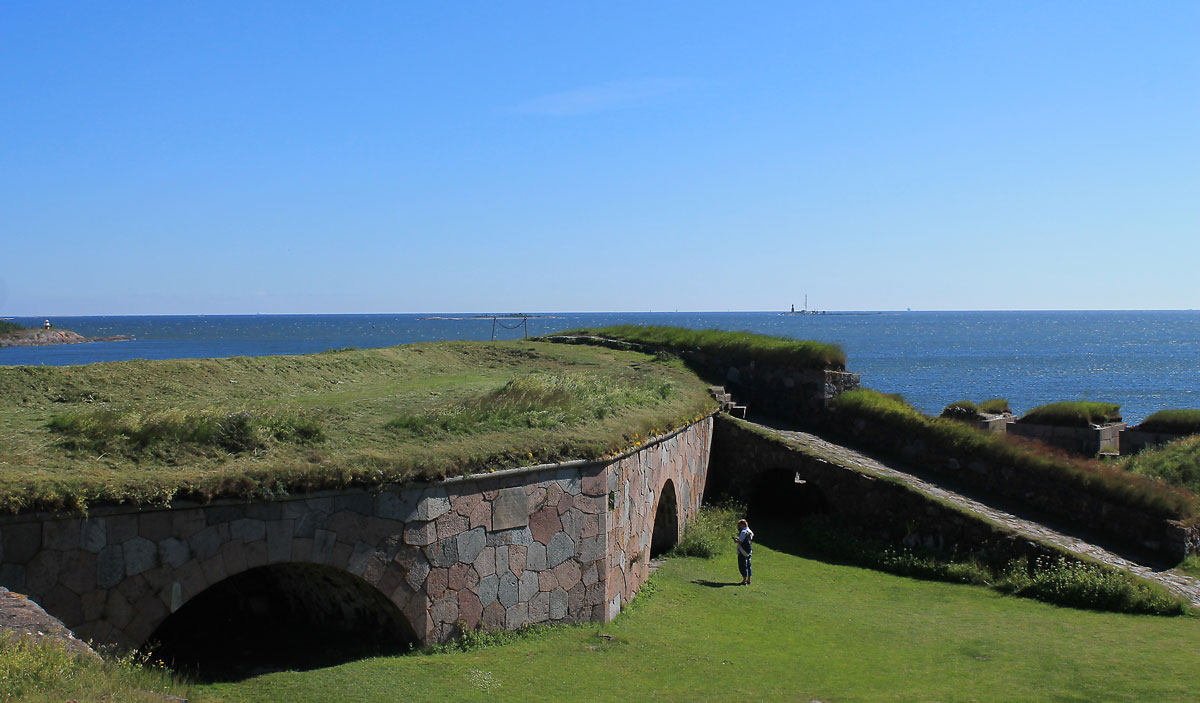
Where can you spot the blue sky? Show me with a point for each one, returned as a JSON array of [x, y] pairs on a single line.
[[421, 157]]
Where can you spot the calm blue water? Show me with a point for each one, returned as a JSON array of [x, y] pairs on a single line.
[[1145, 361]]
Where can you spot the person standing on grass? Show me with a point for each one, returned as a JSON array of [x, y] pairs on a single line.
[[745, 546]]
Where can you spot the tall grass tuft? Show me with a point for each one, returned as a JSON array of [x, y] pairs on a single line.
[[968, 443], [1177, 463], [709, 534], [1073, 413], [134, 434], [995, 406], [537, 401], [744, 345], [1172, 422], [42, 669]]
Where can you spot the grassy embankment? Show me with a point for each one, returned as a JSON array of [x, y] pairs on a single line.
[[7, 326], [957, 439], [806, 630], [740, 345], [149, 431]]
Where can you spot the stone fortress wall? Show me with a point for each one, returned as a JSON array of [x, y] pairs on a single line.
[[550, 544]]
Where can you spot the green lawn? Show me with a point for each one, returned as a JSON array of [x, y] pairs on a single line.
[[805, 630], [147, 431]]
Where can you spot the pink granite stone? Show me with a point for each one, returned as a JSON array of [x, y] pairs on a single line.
[[544, 524], [596, 484], [516, 559], [567, 574], [437, 582], [457, 576], [451, 524], [481, 516], [547, 581], [565, 503], [466, 504], [493, 616], [470, 611]]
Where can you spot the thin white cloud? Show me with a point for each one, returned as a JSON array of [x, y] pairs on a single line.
[[604, 97]]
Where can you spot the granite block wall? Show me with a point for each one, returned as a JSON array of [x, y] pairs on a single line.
[[551, 544]]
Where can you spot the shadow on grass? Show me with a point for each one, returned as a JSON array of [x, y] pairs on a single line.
[[716, 584]]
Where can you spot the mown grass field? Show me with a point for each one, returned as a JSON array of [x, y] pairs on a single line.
[[806, 630], [150, 431]]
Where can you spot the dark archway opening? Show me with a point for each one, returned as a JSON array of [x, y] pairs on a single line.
[[280, 617], [666, 522], [778, 495]]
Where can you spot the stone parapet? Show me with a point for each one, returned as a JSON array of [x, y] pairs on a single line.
[[1088, 441]]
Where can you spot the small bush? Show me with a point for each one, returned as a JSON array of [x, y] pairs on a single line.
[[995, 406], [1172, 422], [7, 326], [1073, 413], [709, 534], [1083, 585], [963, 411]]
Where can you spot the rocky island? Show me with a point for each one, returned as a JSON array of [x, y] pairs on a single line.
[[47, 337]]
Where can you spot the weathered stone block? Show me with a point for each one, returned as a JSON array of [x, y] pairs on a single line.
[[21, 542], [489, 588], [558, 604], [110, 566], [279, 540], [471, 544], [420, 534], [443, 553], [510, 509], [437, 582], [493, 616], [206, 542], [527, 586], [93, 535], [560, 549], [140, 555], [60, 534], [508, 593], [155, 525], [485, 563], [544, 523], [323, 543], [535, 557], [417, 573], [516, 615], [450, 524], [516, 559], [470, 611]]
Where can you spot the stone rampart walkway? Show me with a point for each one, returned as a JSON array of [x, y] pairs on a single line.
[[1179, 583]]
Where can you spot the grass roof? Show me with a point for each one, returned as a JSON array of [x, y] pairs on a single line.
[[150, 431]]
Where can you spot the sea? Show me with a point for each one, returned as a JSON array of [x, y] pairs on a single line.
[[1143, 360]]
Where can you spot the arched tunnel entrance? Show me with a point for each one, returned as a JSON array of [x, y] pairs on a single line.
[[666, 521], [279, 617], [778, 495]]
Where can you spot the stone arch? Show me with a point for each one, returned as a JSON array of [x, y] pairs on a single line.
[[665, 534], [779, 494], [289, 614]]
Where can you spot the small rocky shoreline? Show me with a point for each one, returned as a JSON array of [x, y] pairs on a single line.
[[45, 338]]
